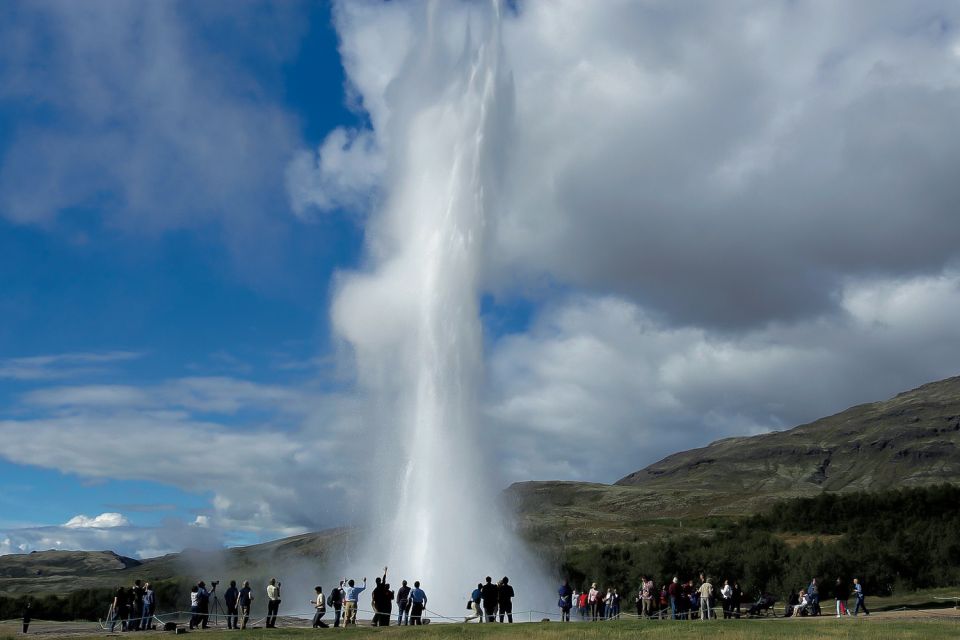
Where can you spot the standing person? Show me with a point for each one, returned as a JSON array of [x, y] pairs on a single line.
[[813, 593], [858, 592], [841, 594], [350, 596], [646, 595], [125, 608], [245, 600], [230, 598], [505, 599], [26, 616], [593, 599], [736, 599], [690, 602], [490, 600], [194, 607], [381, 599], [203, 601], [320, 607], [136, 605], [475, 597], [673, 593], [576, 600], [706, 593], [149, 606], [273, 603], [566, 601], [336, 601], [403, 604], [726, 594], [608, 604], [582, 605], [418, 601], [638, 601]]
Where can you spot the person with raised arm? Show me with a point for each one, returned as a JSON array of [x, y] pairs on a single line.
[[351, 594], [382, 601]]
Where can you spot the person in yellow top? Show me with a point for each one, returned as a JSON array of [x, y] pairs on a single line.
[[706, 595], [273, 603]]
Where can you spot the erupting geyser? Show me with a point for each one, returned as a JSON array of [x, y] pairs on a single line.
[[413, 316]]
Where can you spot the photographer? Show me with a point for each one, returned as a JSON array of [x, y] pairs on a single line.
[[273, 603], [203, 604]]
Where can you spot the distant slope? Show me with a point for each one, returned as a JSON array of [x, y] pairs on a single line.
[[64, 571], [912, 439]]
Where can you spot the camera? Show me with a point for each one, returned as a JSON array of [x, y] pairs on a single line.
[[214, 583]]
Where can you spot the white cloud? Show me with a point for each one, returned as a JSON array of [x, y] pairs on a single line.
[[344, 172], [102, 521], [263, 451], [171, 536], [722, 164], [63, 365], [599, 388], [139, 112]]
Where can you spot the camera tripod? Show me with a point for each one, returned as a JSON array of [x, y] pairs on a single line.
[[216, 606]]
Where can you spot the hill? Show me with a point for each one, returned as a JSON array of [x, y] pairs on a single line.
[[910, 440], [67, 571]]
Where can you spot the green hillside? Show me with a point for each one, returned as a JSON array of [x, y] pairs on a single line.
[[911, 440]]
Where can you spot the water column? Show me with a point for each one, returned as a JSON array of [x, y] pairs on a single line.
[[413, 317]]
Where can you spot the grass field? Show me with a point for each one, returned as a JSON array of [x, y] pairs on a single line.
[[916, 624]]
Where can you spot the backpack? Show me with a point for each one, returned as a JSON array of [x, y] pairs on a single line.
[[330, 600]]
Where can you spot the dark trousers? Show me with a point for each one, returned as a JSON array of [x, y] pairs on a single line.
[[336, 615], [382, 617], [194, 617], [317, 622], [860, 605], [490, 611], [26, 625], [273, 607], [232, 617], [506, 610], [403, 610], [416, 614]]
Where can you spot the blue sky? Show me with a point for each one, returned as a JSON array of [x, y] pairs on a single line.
[[711, 223]]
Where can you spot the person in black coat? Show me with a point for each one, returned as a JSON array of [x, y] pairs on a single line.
[[26, 617], [230, 598], [505, 599], [490, 597]]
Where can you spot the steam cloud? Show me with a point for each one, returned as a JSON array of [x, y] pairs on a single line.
[[412, 317]]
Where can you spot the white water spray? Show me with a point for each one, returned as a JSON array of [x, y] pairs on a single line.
[[413, 318]]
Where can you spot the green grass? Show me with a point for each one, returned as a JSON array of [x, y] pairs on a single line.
[[873, 628]]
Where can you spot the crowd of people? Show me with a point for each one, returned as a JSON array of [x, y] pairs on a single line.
[[133, 607], [686, 600]]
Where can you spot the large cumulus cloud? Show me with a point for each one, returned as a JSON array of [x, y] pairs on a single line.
[[599, 387], [724, 165]]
